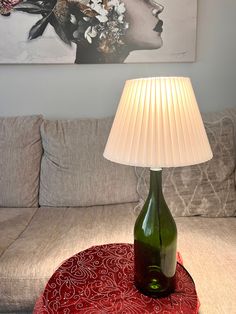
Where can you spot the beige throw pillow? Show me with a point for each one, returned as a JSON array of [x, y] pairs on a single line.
[[20, 156], [207, 189], [74, 171]]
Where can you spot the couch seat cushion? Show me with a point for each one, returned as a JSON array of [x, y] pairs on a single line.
[[54, 234], [13, 222], [208, 246]]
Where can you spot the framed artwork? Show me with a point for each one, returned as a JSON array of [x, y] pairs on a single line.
[[97, 31]]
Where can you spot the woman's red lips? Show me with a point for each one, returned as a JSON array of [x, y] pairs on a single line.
[[158, 28]]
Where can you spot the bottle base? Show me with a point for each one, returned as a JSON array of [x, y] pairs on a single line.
[[154, 290]]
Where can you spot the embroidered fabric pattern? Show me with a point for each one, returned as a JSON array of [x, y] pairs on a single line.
[[100, 280]]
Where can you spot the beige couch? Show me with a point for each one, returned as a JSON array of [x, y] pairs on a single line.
[[58, 196]]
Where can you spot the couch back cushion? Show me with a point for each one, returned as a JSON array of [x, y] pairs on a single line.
[[74, 171], [206, 189], [20, 156]]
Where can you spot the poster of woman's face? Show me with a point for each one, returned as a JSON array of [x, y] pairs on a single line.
[[97, 31]]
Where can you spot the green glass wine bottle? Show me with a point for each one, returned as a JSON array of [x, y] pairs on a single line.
[[155, 242]]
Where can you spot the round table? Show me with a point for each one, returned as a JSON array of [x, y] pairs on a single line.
[[99, 280]]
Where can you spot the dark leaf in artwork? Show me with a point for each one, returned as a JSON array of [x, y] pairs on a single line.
[[59, 30], [38, 29], [30, 8]]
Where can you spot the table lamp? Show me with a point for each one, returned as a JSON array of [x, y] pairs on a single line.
[[157, 124]]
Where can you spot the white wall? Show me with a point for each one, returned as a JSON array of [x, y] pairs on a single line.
[[68, 91]]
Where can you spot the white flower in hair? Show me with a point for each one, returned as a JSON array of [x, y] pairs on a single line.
[[121, 18], [97, 6], [102, 36], [102, 18], [90, 33], [119, 7], [114, 3], [73, 19], [106, 23]]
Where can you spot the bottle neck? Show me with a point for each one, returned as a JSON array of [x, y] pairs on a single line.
[[155, 182]]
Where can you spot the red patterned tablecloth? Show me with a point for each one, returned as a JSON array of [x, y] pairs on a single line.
[[99, 280]]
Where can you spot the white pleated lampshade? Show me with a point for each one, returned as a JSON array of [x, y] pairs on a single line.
[[158, 124]]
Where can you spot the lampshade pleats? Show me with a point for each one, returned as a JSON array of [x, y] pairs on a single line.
[[158, 124]]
